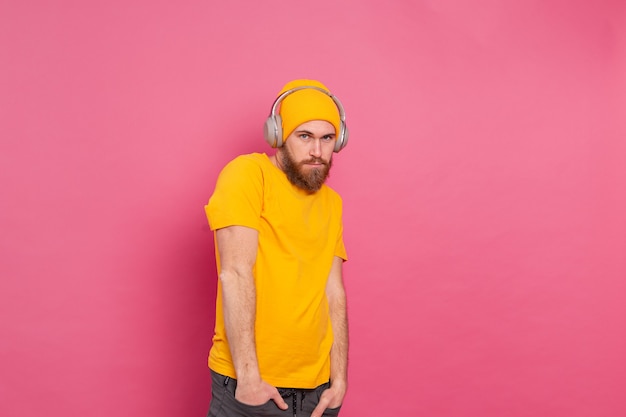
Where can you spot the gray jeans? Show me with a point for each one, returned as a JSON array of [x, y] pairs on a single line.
[[301, 402]]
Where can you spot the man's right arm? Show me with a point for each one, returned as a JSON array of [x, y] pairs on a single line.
[[237, 246]]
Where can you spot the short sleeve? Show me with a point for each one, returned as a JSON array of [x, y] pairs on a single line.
[[238, 196]]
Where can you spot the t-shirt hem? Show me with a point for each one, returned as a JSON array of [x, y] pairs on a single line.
[[221, 225], [278, 383]]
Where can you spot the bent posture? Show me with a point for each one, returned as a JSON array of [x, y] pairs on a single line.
[[281, 334]]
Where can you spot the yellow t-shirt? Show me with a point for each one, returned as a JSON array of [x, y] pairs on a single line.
[[299, 235]]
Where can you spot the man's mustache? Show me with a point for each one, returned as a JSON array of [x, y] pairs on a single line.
[[314, 161]]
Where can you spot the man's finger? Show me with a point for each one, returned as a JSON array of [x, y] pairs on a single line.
[[280, 402], [321, 407]]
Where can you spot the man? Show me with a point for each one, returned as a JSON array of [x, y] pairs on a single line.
[[281, 333]]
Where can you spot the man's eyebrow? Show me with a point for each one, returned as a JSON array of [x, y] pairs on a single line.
[[311, 134]]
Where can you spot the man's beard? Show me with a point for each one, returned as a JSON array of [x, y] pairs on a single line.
[[311, 181]]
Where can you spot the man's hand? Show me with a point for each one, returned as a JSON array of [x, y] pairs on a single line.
[[331, 398], [258, 394]]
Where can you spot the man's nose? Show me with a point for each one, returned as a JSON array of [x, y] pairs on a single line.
[[316, 148]]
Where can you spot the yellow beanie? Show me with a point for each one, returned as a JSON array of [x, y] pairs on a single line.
[[305, 105]]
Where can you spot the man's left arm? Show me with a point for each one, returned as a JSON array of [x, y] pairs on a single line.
[[336, 295]]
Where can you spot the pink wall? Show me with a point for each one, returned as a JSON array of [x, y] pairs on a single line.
[[484, 190]]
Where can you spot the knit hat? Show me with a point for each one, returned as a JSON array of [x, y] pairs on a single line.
[[305, 105]]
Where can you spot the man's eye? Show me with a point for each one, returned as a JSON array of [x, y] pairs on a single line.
[[304, 136], [327, 138]]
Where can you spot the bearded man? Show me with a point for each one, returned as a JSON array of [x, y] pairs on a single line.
[[281, 334]]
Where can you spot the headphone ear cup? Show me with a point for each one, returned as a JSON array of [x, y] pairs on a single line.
[[273, 132], [342, 140], [279, 130]]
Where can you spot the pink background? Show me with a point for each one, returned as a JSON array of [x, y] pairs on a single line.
[[484, 189]]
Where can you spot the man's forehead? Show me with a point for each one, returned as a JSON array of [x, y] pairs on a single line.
[[317, 126]]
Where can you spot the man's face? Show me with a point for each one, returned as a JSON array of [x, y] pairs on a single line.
[[306, 156]]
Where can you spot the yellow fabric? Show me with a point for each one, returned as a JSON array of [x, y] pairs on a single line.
[[299, 235], [305, 105]]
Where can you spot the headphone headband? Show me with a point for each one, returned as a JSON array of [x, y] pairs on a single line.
[[273, 126]]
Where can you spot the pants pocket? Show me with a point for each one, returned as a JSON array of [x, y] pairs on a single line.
[[238, 409]]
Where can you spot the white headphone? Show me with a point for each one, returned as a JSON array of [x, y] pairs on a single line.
[[273, 129]]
